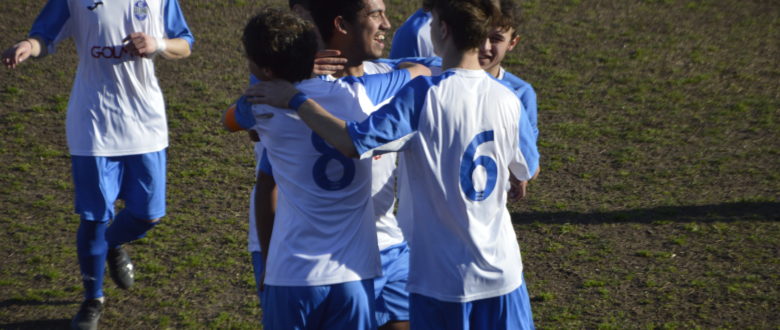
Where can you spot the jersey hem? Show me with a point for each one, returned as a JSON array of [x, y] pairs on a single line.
[[467, 298], [328, 281], [117, 153]]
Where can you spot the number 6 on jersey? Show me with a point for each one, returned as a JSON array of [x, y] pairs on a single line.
[[468, 165]]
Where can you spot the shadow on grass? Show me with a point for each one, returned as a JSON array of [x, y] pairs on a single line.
[[20, 302], [726, 212], [38, 324]]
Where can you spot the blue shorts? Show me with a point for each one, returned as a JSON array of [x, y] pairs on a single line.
[[258, 266], [510, 311], [392, 299], [347, 305], [139, 180]]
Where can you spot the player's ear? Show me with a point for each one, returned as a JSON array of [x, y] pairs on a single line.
[[340, 25], [513, 42], [444, 30]]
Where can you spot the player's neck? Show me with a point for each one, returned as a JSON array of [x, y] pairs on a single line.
[[494, 71], [468, 60], [355, 70]]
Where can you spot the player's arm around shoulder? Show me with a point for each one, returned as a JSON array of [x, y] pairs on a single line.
[[282, 94], [415, 69]]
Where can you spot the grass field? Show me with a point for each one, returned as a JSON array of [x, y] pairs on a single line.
[[658, 203]]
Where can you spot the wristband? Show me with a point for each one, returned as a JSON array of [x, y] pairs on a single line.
[[162, 45], [297, 100]]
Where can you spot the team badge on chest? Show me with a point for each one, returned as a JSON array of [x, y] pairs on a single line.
[[141, 10]]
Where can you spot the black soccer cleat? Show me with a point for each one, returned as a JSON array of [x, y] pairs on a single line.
[[120, 268], [88, 315]]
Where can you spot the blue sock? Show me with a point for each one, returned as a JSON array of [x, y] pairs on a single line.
[[126, 228], [92, 248]]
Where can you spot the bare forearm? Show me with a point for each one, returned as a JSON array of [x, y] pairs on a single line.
[[327, 126], [176, 48]]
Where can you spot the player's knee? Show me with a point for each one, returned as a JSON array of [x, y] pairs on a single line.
[[153, 221]]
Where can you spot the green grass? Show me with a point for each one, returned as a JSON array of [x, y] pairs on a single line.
[[656, 207]]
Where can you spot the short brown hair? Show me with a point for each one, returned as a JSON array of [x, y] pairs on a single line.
[[469, 20], [510, 16], [282, 42]]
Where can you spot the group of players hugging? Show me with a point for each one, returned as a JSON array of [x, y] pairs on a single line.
[[382, 183]]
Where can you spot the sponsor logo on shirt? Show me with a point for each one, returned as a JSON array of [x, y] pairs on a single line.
[[141, 10], [109, 52]]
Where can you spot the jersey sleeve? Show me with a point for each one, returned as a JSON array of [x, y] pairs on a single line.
[[52, 24], [528, 98], [405, 38], [253, 80], [175, 24], [382, 86], [240, 116], [392, 126], [527, 140]]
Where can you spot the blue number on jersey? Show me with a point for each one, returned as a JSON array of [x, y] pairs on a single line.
[[321, 165], [468, 165]]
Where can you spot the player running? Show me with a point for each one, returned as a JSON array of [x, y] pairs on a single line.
[[116, 125]]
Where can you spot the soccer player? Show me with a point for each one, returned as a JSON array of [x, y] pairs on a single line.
[[323, 254], [502, 40], [357, 29], [116, 127], [459, 134], [413, 37]]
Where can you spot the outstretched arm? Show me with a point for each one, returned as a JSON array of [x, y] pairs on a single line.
[[21, 51]]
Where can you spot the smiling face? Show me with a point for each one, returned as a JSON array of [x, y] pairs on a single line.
[[492, 52], [370, 29]]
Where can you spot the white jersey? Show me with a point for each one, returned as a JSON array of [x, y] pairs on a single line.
[[459, 136], [324, 230], [116, 107], [384, 169]]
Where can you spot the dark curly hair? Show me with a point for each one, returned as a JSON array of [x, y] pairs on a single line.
[[284, 43]]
